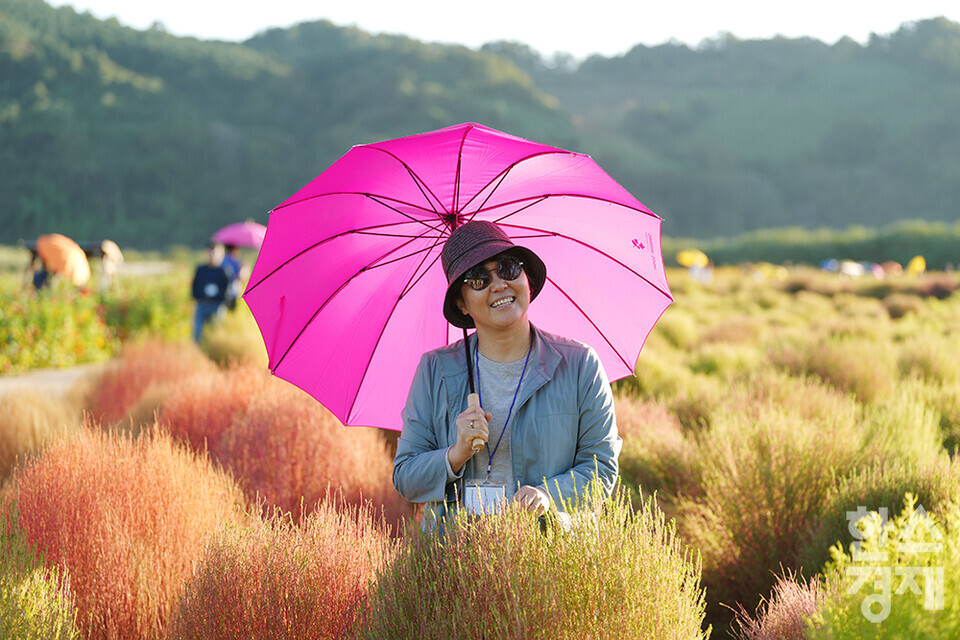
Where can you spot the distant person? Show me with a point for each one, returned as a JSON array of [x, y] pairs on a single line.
[[36, 273], [209, 289], [110, 259], [233, 265]]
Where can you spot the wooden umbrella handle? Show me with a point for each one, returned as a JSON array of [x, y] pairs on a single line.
[[473, 400]]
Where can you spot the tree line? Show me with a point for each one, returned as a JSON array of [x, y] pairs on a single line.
[[153, 140]]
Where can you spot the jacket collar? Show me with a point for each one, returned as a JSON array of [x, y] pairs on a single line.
[[453, 366]]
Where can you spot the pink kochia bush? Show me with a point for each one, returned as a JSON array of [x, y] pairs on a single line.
[[271, 578], [126, 520], [284, 448], [787, 614]]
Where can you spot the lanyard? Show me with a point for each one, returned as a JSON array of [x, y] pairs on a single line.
[[510, 412]]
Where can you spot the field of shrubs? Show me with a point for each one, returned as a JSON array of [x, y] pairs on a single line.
[[789, 471]]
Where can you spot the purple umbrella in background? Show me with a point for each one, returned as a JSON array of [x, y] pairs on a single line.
[[348, 287], [241, 234]]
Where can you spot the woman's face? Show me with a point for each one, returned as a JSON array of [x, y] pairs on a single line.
[[502, 304]]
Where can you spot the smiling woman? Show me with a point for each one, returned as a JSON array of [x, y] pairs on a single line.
[[543, 409]]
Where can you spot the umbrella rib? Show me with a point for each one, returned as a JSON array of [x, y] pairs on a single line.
[[407, 288], [456, 180], [363, 230], [500, 177], [428, 193], [546, 196], [372, 264], [554, 234], [373, 196], [592, 323], [413, 282]]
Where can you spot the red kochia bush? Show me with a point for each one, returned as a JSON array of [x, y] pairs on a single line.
[[200, 411], [126, 519], [284, 448], [289, 450], [274, 579], [122, 384]]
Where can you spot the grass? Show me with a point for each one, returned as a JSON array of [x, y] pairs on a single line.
[[657, 455], [235, 338], [765, 476], [785, 615], [283, 447], [289, 451], [880, 485], [926, 608]]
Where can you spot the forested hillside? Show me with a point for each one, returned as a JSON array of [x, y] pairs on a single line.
[[152, 139]]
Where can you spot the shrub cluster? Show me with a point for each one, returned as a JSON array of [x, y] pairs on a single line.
[[283, 447], [902, 580], [35, 600], [273, 579], [125, 519], [52, 328], [616, 572], [762, 414]]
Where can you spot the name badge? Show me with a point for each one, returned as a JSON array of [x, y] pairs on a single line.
[[482, 499]]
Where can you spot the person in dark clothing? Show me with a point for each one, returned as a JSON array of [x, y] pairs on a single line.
[[233, 265], [209, 289]]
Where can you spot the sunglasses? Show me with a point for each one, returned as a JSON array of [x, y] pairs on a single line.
[[478, 278]]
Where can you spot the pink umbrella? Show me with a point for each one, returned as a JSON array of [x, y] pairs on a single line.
[[241, 234], [348, 287]]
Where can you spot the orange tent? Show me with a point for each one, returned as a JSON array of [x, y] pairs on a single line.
[[63, 256]]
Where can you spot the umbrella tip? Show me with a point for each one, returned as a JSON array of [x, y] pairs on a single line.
[[453, 220]]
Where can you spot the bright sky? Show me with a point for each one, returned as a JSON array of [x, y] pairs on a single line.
[[607, 27]]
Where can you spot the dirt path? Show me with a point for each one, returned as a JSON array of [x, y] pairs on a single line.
[[57, 381]]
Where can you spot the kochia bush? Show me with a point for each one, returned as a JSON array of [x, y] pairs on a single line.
[[35, 601], [616, 573], [125, 519], [273, 579], [905, 585]]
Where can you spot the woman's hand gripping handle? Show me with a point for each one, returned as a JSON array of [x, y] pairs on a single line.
[[473, 401], [472, 433]]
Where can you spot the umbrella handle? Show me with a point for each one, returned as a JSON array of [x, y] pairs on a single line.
[[473, 400]]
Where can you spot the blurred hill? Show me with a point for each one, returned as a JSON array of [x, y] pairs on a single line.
[[151, 139]]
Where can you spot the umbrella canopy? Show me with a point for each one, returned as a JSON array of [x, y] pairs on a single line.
[[63, 256], [348, 288], [917, 265], [692, 258], [241, 234]]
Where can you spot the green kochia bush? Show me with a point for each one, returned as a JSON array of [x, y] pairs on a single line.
[[35, 601], [765, 475], [882, 485], [862, 367], [615, 573], [902, 426], [920, 556]]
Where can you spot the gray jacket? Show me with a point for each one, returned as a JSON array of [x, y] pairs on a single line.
[[564, 428]]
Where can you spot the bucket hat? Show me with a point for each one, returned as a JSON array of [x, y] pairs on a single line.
[[474, 243]]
